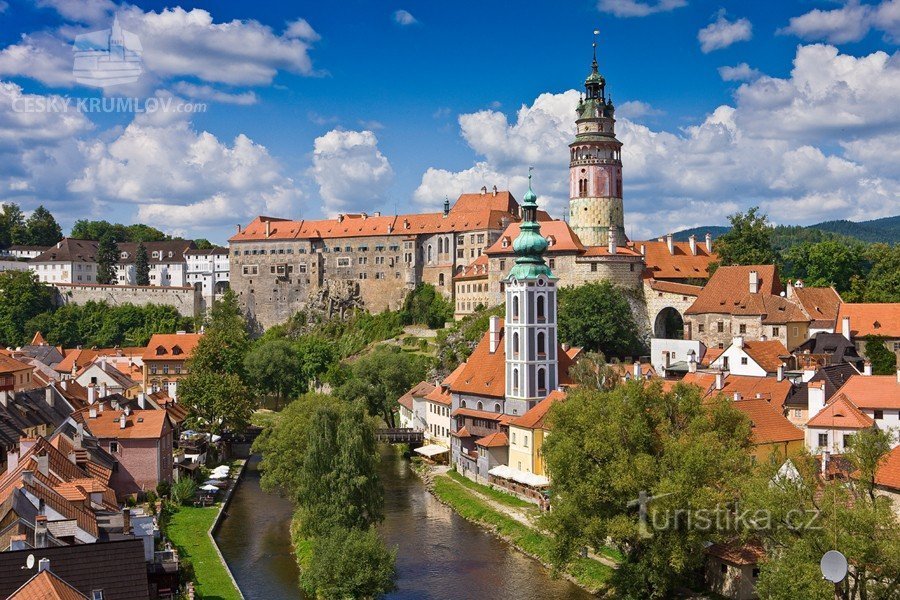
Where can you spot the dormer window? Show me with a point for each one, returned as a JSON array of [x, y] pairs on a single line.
[[160, 350], [550, 240], [176, 350]]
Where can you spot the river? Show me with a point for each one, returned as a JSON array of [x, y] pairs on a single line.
[[440, 555]]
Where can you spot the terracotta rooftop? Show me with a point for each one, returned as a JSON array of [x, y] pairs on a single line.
[[888, 473], [671, 287], [769, 425], [171, 346], [873, 391], [38, 339], [494, 440], [840, 414], [477, 269], [738, 554], [729, 288], [662, 264], [820, 303], [10, 365], [46, 586], [766, 353], [420, 390], [871, 319], [478, 414], [558, 234], [534, 418], [768, 388], [140, 424]]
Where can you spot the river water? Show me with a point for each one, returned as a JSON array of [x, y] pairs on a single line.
[[439, 554]]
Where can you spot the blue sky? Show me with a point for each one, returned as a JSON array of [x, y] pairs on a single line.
[[794, 106]]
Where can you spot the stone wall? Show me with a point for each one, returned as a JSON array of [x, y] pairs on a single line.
[[185, 300]]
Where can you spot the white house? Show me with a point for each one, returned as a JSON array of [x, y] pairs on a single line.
[[208, 272], [69, 261], [165, 261], [413, 409], [757, 358], [833, 426]]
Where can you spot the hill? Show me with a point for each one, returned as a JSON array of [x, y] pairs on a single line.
[[886, 230]]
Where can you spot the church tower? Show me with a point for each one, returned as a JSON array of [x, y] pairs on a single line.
[[532, 369], [595, 166]]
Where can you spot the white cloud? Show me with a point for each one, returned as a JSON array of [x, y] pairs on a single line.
[[82, 11], [206, 92], [850, 23], [638, 8], [41, 57], [351, 172], [739, 72], [722, 33], [635, 109], [302, 30], [404, 18], [817, 145]]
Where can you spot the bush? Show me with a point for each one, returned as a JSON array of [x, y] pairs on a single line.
[[184, 490], [349, 564], [163, 489]]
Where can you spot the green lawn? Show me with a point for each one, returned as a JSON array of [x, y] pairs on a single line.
[[492, 493], [188, 529], [589, 573]]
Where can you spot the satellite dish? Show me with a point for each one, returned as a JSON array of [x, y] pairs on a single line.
[[29, 562], [834, 566]]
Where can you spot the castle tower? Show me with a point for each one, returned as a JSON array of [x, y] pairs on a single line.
[[595, 166], [530, 338]]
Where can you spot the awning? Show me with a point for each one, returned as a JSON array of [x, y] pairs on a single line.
[[432, 450], [529, 479]]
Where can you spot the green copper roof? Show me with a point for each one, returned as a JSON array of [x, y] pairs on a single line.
[[529, 245]]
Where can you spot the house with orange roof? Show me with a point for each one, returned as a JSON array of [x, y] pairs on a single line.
[[754, 358], [437, 404], [821, 304], [472, 288], [887, 478], [713, 383], [858, 321], [745, 301], [527, 434], [104, 373], [832, 428], [878, 397], [45, 585], [15, 375], [141, 441], [165, 360], [771, 432], [374, 259]]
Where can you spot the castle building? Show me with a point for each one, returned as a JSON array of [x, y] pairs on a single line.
[[595, 166]]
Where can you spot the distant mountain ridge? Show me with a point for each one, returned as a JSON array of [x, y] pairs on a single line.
[[886, 230]]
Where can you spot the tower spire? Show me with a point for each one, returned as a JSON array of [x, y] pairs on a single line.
[[529, 245], [594, 66]]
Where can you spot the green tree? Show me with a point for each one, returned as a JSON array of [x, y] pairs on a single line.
[[349, 564], [426, 306], [204, 244], [84, 229], [275, 369], [598, 318], [610, 449], [139, 232], [380, 377], [41, 229], [884, 362], [806, 515], [825, 263], [217, 402], [748, 242], [107, 256], [882, 283], [183, 491], [12, 225], [223, 348], [317, 355], [22, 297], [142, 265], [592, 371]]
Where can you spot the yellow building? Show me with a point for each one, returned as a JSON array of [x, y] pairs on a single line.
[[527, 434], [772, 431], [165, 360]]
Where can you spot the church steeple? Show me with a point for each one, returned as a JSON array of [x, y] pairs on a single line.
[[529, 245]]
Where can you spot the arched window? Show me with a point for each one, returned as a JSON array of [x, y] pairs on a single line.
[[515, 345], [462, 404], [497, 407], [515, 381], [430, 252], [480, 406], [515, 308], [542, 381], [541, 344], [441, 280], [541, 308]]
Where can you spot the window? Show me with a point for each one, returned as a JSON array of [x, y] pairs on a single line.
[[541, 309], [724, 568], [343, 261], [552, 263], [526, 441], [97, 595], [743, 360], [879, 414], [776, 331], [798, 412], [742, 328], [515, 345], [514, 437], [542, 381], [848, 440], [515, 309], [721, 326], [700, 328], [502, 266], [593, 267], [541, 344], [114, 447], [823, 440]]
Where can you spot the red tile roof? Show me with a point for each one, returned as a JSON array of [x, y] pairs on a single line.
[[769, 425], [46, 586], [38, 339], [738, 554], [534, 418], [171, 346], [494, 440], [875, 391], [561, 236], [888, 472], [671, 287], [661, 264], [871, 319], [477, 269], [729, 289], [478, 414], [767, 354], [10, 365], [820, 303], [840, 414], [140, 424], [420, 390], [768, 388]]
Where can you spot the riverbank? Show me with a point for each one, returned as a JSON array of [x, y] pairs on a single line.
[[511, 519]]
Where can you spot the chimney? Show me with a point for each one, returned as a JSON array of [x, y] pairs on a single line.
[[754, 282], [867, 368], [692, 364], [643, 250], [43, 464], [12, 460], [268, 229], [738, 341], [122, 420], [92, 412], [898, 375], [126, 521], [446, 207], [613, 242], [103, 392], [494, 333], [92, 394], [815, 398], [483, 190], [709, 242], [670, 243], [142, 400], [25, 445], [845, 327], [40, 538], [637, 369], [28, 477], [79, 436], [43, 564], [826, 456], [4, 398], [693, 242], [780, 375], [495, 190], [737, 396], [720, 380], [239, 228], [666, 359]]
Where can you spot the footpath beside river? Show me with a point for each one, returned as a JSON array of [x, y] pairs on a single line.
[[440, 555]]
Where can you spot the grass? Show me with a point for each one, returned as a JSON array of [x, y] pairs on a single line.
[[587, 572], [264, 417], [188, 529], [492, 493]]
